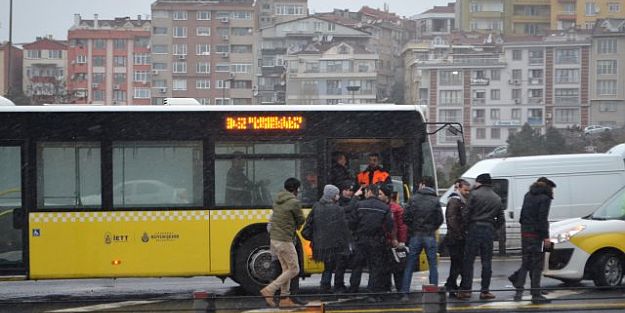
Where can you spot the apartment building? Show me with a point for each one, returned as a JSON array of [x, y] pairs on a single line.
[[271, 12], [45, 71], [204, 50], [529, 17], [439, 20], [109, 61], [494, 85], [14, 84], [607, 73], [584, 13]]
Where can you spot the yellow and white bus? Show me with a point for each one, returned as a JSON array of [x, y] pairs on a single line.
[[142, 191]]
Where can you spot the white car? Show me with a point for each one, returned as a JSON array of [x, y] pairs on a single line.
[[498, 152], [143, 193], [595, 129]]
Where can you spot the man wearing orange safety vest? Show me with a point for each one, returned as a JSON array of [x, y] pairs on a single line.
[[373, 174]]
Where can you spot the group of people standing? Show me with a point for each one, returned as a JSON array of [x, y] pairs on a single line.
[[360, 224]]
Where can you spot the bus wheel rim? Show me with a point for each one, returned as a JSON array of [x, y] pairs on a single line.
[[259, 265]]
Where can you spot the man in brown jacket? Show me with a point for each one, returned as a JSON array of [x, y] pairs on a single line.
[[455, 233], [286, 219]]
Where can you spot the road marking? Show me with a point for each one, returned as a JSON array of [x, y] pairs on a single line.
[[106, 306]]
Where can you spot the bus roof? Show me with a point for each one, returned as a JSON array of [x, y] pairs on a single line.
[[212, 108], [543, 165]]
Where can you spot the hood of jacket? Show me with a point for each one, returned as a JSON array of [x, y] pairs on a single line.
[[538, 188], [427, 191], [284, 196]]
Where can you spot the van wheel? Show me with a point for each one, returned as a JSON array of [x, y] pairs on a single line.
[[253, 264], [607, 270]]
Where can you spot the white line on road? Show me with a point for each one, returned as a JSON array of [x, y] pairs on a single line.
[[106, 306]]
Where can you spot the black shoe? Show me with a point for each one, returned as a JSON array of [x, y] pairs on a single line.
[[372, 299], [340, 289], [405, 298], [518, 296], [453, 294], [512, 278], [539, 299], [298, 300]]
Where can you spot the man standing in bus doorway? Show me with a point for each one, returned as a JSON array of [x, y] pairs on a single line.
[[238, 187], [340, 172], [482, 215], [454, 240], [286, 218], [370, 222], [534, 238], [373, 174], [423, 216]]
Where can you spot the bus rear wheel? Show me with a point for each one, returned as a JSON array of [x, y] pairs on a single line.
[[253, 268]]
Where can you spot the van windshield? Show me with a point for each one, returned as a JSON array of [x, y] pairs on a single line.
[[613, 209]]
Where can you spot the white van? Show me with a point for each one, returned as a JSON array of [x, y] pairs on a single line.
[[584, 181]]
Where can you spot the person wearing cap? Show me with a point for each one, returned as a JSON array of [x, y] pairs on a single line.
[[481, 216], [534, 238], [330, 240], [370, 221], [423, 216]]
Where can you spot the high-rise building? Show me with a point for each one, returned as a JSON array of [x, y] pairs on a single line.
[[528, 17], [45, 71], [204, 50], [109, 61], [583, 14], [271, 12], [15, 83]]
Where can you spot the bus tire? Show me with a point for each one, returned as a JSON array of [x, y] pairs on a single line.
[[253, 263], [607, 270]]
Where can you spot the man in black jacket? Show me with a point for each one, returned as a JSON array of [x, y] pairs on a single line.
[[534, 238], [482, 215], [423, 216], [371, 220]]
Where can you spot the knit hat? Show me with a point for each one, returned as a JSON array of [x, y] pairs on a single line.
[[330, 192], [547, 181], [346, 184], [483, 179]]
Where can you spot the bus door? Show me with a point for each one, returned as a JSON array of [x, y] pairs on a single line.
[[13, 220]]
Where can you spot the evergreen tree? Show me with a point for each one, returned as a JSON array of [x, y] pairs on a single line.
[[526, 142], [555, 143]]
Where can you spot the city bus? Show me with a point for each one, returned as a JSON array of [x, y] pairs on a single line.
[[143, 191]]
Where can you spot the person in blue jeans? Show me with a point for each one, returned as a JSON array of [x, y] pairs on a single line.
[[424, 216]]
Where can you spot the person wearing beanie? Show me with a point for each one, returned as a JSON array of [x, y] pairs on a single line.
[[534, 238], [330, 238], [482, 215]]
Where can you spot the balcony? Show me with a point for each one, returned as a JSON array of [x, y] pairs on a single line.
[[536, 61], [335, 91], [567, 100], [567, 60], [535, 100], [480, 81], [535, 121], [478, 101], [478, 121], [535, 81]]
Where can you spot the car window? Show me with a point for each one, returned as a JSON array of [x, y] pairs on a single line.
[[612, 209]]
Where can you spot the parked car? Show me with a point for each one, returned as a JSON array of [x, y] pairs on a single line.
[[499, 152], [143, 193], [590, 247], [596, 129]]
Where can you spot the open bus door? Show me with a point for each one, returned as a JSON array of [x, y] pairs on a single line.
[[13, 220]]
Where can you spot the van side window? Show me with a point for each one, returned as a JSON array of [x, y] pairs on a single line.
[[500, 186]]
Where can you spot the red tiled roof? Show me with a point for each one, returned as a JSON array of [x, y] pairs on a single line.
[[379, 14], [450, 8], [46, 44]]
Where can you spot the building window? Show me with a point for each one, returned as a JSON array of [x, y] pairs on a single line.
[[55, 54], [568, 116], [591, 9], [159, 66], [179, 67], [119, 61], [241, 31], [606, 46], [202, 49], [517, 74], [614, 7], [141, 76], [179, 49], [495, 94], [516, 114], [159, 83], [479, 116], [119, 95], [450, 97], [241, 15], [606, 87], [99, 60], [331, 27], [222, 84], [495, 75], [450, 78], [179, 15], [241, 68], [495, 133], [517, 55], [245, 84], [180, 32], [203, 15], [142, 59], [142, 93], [202, 84], [179, 84], [606, 67], [241, 49], [480, 133], [222, 67], [203, 101], [203, 31], [475, 7], [99, 44], [159, 30], [203, 68], [495, 114], [160, 49], [290, 9], [97, 78], [99, 95], [119, 44], [567, 76], [119, 78], [516, 93], [566, 96], [81, 59], [222, 48], [608, 106], [567, 56]]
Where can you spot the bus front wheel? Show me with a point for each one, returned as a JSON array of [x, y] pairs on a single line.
[[253, 268]]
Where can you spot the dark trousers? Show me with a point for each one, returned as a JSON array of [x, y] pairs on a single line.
[[374, 253], [456, 256], [398, 274], [533, 260], [479, 241], [335, 264]]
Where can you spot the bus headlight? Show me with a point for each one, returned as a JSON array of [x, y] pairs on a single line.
[[566, 235]]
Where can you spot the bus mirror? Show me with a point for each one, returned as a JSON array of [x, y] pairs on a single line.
[[18, 218], [462, 153]]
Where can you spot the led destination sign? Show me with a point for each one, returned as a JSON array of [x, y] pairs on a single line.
[[254, 122]]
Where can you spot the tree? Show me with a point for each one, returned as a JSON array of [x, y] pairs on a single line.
[[526, 142], [18, 98], [554, 142]]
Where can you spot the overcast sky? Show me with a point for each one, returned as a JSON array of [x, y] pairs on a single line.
[[32, 18]]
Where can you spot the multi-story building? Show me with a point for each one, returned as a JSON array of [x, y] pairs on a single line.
[[293, 37], [504, 16], [583, 14], [271, 12], [494, 85], [607, 73], [204, 50], [45, 69], [439, 20], [14, 84], [109, 61]]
